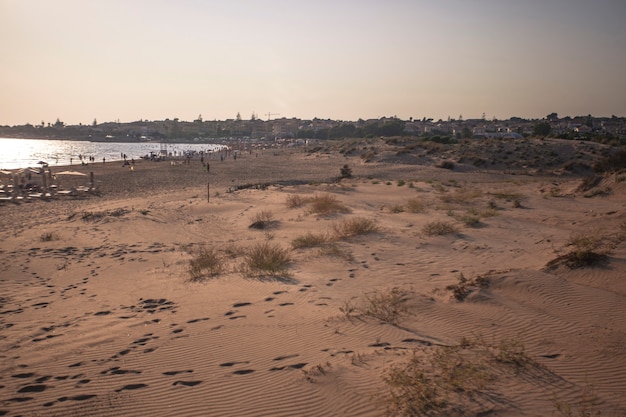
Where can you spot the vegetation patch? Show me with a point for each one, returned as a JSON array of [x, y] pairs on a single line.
[[206, 263], [465, 286], [354, 227], [438, 228], [453, 380], [415, 205], [49, 237], [387, 306], [265, 259], [326, 204], [263, 220], [295, 201], [585, 249], [311, 240]]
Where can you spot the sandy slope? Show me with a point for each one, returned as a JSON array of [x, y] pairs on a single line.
[[102, 320]]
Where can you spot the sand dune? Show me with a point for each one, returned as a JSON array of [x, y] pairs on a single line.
[[98, 316]]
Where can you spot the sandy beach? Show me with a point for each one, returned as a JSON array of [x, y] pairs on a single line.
[[467, 273]]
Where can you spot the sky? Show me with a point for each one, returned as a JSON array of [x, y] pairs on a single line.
[[128, 60]]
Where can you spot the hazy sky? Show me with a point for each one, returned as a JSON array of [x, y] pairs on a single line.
[[80, 60]]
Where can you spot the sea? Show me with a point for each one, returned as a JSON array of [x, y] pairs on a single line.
[[24, 153]]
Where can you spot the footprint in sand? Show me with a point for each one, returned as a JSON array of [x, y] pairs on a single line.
[[229, 364], [24, 375], [332, 281], [282, 358], [40, 305], [244, 304], [33, 388], [131, 387], [102, 313], [81, 397], [294, 366], [187, 383], [117, 371], [173, 373], [197, 320], [243, 371]]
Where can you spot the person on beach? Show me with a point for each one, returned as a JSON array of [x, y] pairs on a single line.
[[103, 160]]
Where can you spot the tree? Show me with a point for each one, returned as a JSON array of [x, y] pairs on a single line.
[[253, 117], [345, 172], [238, 117], [94, 123], [552, 116], [542, 129]]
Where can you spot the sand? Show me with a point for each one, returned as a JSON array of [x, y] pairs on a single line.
[[98, 316]]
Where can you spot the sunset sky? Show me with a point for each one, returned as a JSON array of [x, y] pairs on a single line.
[[80, 60]]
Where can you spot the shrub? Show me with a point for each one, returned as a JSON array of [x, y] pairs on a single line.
[[206, 263], [438, 228], [310, 239], [265, 259], [511, 351], [354, 227], [386, 306], [586, 249], [326, 204], [446, 165], [49, 237], [295, 201], [465, 286], [263, 220], [414, 205], [470, 219], [345, 172], [411, 391]]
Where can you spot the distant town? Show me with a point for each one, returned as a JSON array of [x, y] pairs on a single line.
[[603, 129]]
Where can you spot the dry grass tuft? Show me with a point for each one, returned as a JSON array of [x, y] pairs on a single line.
[[311, 240], [265, 259], [465, 286], [206, 263], [415, 205], [387, 306], [295, 201], [586, 249], [354, 227], [438, 228], [326, 204], [263, 220], [441, 380], [461, 196], [49, 237]]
